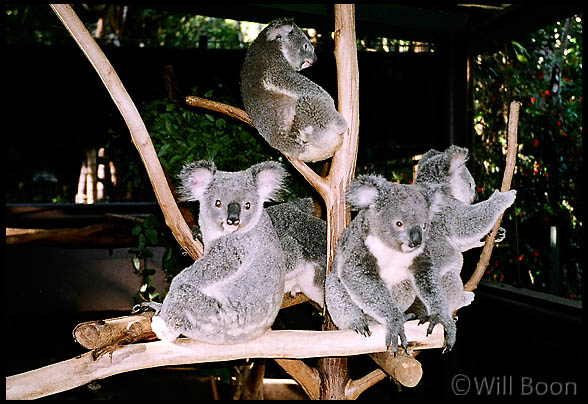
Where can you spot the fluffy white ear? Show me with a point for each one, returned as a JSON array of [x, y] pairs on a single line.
[[457, 157], [365, 190], [269, 177], [278, 30], [195, 178]]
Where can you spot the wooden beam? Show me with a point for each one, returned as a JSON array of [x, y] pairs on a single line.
[[78, 371]]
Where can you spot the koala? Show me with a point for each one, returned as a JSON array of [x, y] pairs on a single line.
[[370, 278], [303, 238], [291, 112], [234, 291], [456, 226]]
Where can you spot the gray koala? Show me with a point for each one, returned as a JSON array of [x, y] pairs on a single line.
[[294, 114], [456, 226], [370, 277], [303, 238], [234, 291]]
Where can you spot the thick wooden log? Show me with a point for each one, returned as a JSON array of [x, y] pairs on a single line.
[[78, 371]]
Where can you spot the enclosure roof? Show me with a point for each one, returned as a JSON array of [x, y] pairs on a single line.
[[483, 25]]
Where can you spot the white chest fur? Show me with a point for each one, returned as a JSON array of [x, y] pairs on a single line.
[[393, 265]]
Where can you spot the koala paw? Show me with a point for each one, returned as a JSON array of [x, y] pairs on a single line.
[[506, 198], [501, 235], [360, 326], [449, 327], [395, 329], [146, 306]]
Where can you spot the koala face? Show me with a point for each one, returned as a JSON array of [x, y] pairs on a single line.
[[230, 201], [397, 214], [294, 44], [448, 168]]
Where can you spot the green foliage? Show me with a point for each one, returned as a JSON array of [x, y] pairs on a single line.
[[182, 134], [544, 73], [146, 234], [167, 29]]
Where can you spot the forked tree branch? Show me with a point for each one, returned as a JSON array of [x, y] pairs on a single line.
[[511, 157]]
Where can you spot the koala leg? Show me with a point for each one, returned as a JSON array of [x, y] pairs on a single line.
[[377, 302], [433, 291], [344, 313]]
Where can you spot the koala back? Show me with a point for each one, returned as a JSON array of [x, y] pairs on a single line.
[[294, 114]]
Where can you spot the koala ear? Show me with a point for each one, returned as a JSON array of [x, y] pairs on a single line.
[[269, 177], [195, 178], [428, 155], [457, 157], [365, 190], [279, 29]]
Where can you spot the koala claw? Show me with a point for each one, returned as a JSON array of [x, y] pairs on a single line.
[[361, 327], [392, 335], [450, 329], [146, 306], [501, 235]]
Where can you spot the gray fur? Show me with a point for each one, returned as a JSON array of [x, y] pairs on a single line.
[[456, 226], [303, 238], [294, 114], [234, 291], [370, 278]]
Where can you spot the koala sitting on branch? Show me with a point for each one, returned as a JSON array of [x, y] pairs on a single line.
[[294, 114], [456, 226], [234, 291], [370, 279]]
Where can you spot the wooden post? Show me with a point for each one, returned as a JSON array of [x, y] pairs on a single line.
[[333, 370]]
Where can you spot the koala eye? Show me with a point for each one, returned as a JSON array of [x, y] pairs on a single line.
[[305, 46], [399, 224], [247, 205], [424, 226], [218, 203]]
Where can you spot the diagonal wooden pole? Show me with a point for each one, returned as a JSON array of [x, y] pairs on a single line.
[[139, 134], [511, 157]]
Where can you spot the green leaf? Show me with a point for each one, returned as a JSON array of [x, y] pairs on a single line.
[[136, 263], [136, 230], [151, 235]]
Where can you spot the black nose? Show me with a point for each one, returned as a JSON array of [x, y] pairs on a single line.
[[415, 237], [233, 212]]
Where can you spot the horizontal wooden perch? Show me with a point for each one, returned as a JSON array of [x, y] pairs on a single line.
[[78, 371]]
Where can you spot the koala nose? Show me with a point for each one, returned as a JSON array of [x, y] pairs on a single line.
[[415, 237], [233, 212]]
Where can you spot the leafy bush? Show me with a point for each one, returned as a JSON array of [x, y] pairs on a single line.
[[544, 73]]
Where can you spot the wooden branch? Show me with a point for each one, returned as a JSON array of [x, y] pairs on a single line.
[[219, 107], [139, 134], [511, 156], [403, 368], [355, 387], [306, 376], [78, 371], [343, 163]]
